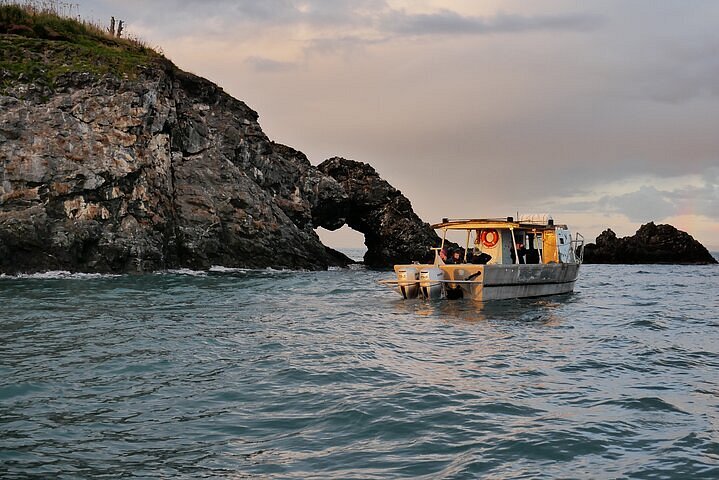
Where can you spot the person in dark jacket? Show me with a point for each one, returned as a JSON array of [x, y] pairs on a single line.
[[521, 251], [455, 257]]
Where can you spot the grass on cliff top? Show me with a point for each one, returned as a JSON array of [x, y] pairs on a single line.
[[39, 42]]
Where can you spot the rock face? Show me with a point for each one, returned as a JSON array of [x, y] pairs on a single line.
[[108, 174], [651, 244], [393, 232]]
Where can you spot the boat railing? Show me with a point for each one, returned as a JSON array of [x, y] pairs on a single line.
[[437, 259], [578, 247]]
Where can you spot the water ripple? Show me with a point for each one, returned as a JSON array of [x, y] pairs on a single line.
[[237, 373]]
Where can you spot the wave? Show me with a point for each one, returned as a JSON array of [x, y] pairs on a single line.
[[221, 269], [327, 375], [183, 271], [59, 275]]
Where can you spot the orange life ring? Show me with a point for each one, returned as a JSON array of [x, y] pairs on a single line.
[[490, 238]]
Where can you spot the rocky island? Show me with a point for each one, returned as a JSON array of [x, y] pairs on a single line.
[[112, 159], [651, 244]]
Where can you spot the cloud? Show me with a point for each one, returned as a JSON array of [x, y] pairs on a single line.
[[266, 11], [335, 13], [167, 20], [267, 65], [648, 202], [168, 14], [643, 204], [341, 44], [685, 74], [448, 22], [364, 21]]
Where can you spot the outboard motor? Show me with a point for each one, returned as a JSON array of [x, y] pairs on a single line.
[[407, 281], [430, 284]]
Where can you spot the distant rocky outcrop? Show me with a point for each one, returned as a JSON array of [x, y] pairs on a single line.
[[149, 167], [651, 244]]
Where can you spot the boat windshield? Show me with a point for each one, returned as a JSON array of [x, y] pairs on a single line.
[[504, 240]]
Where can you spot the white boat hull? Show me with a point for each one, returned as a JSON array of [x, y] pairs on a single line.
[[520, 281], [498, 282]]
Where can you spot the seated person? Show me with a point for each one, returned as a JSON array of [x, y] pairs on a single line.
[[455, 257]]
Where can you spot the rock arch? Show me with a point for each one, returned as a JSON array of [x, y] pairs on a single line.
[[393, 232], [165, 170]]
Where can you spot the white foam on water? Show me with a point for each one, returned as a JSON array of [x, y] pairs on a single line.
[[280, 270], [58, 275], [185, 271], [221, 269]]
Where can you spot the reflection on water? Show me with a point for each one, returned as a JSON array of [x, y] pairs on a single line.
[[518, 310]]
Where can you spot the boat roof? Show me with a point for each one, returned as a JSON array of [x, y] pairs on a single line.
[[493, 223]]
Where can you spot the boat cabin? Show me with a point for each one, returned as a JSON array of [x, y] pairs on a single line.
[[529, 240]]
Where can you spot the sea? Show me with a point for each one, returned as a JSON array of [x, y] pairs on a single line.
[[236, 374]]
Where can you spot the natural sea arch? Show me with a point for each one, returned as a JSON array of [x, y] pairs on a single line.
[[392, 232]]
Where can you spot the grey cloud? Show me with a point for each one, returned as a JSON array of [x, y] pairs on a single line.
[[176, 16], [449, 22], [701, 201], [243, 10], [344, 44], [645, 203], [686, 74], [211, 18], [650, 203], [240, 12], [341, 12], [262, 64]]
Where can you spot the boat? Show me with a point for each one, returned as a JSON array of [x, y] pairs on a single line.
[[503, 258]]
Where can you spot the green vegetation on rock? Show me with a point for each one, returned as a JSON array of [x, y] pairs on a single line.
[[37, 45]]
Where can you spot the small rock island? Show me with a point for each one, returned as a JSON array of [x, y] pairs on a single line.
[[651, 244]]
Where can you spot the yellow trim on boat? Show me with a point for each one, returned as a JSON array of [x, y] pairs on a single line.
[[491, 223]]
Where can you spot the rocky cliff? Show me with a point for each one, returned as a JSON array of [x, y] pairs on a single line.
[[651, 244], [147, 167]]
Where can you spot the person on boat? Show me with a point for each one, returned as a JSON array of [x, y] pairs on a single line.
[[443, 255], [480, 258], [521, 251], [456, 257]]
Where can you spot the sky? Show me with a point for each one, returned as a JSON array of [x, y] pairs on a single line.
[[603, 114]]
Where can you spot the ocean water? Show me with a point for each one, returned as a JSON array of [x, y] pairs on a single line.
[[281, 374]]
